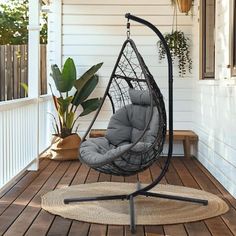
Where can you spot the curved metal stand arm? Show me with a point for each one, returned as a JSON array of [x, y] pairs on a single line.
[[170, 95]]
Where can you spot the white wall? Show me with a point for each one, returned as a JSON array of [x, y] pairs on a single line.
[[93, 31], [215, 105]]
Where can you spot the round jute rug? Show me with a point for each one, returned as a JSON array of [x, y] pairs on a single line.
[[149, 211]]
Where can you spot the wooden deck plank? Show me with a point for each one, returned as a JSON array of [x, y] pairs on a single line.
[[145, 177], [154, 230], [23, 222], [115, 230], [82, 228], [97, 229], [66, 223], [206, 184], [40, 226], [14, 210], [10, 194], [59, 227], [188, 177], [23, 198], [176, 229], [139, 228], [224, 192], [139, 231], [12, 184], [173, 178], [79, 228]]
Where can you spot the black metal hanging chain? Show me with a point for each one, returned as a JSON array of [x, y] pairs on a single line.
[[128, 29]]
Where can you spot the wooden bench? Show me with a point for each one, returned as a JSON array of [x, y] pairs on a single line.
[[188, 137]]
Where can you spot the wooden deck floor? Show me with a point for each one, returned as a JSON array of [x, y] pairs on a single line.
[[21, 214]]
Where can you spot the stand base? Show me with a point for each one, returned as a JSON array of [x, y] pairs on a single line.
[[131, 197]]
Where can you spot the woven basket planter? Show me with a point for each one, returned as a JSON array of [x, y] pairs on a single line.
[[64, 149]]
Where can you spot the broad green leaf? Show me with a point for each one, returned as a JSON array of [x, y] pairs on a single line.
[[69, 119], [63, 104], [86, 91], [69, 73], [64, 80], [90, 105], [25, 87], [57, 77], [79, 83]]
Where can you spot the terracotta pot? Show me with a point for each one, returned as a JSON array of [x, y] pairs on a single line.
[[64, 149], [184, 5]]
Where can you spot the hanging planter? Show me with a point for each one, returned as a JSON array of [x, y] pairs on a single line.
[[179, 46], [183, 5]]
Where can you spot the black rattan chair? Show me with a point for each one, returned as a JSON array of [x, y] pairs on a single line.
[[136, 132]]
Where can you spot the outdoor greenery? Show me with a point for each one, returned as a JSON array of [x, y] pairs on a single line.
[[179, 48], [14, 20], [66, 104]]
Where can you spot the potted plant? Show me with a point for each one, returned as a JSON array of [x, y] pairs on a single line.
[[183, 5], [71, 103], [179, 48]]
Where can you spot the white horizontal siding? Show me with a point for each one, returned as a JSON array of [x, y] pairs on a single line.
[[215, 106], [93, 32], [99, 30], [120, 20], [118, 3], [95, 9]]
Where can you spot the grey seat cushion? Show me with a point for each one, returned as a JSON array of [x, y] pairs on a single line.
[[98, 151], [128, 123], [124, 128]]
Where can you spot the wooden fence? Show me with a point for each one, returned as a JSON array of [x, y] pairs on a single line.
[[14, 70]]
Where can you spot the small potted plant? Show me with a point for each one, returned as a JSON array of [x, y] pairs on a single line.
[[71, 103], [183, 5]]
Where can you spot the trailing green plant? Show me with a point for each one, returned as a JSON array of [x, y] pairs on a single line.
[[179, 48], [71, 107]]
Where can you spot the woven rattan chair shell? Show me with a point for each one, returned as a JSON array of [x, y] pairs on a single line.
[[130, 71]]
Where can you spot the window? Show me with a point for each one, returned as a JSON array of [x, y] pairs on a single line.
[[208, 39], [233, 51]]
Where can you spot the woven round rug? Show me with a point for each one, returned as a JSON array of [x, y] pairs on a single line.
[[148, 210]]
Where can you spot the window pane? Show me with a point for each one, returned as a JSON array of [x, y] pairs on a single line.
[[234, 41], [209, 37]]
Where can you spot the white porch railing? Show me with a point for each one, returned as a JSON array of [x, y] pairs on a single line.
[[21, 138]]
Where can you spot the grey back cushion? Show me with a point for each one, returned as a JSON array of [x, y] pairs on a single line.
[[128, 123]]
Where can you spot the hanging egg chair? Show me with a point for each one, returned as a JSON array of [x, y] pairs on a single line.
[[137, 129], [136, 132]]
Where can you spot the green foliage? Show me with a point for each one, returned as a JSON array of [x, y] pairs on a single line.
[[71, 107], [179, 48], [14, 20], [86, 76], [25, 87], [88, 88], [64, 80], [90, 105]]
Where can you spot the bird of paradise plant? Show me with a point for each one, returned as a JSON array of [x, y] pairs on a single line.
[[72, 105]]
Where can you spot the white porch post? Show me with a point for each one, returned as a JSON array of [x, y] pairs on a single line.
[[34, 63]]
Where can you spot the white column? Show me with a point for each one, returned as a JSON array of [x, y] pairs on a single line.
[[34, 48], [54, 47], [58, 32], [34, 64]]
